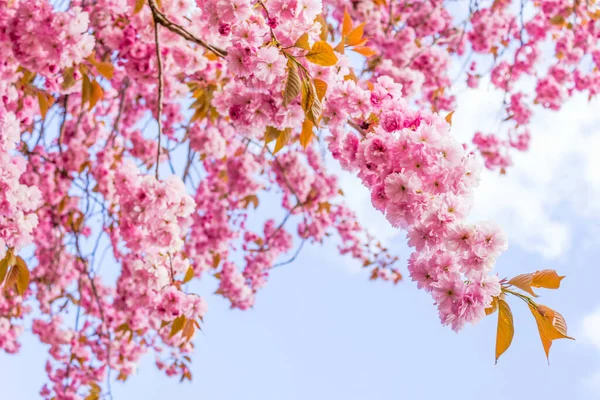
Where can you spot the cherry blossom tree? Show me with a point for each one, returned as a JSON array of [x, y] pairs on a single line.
[[144, 133]]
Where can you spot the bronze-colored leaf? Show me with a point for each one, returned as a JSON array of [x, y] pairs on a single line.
[[11, 278], [320, 88], [322, 54], [177, 325], [293, 84], [523, 282], [22, 282], [68, 78], [547, 278], [188, 330], [86, 89], [5, 263], [506, 329]]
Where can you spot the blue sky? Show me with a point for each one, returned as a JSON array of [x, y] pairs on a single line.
[[321, 330]]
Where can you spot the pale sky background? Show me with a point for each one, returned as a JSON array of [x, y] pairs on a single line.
[[321, 330]]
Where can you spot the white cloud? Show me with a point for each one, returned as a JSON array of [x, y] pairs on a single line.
[[559, 175], [590, 329], [589, 332]]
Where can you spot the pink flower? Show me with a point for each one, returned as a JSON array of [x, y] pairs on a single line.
[[271, 64]]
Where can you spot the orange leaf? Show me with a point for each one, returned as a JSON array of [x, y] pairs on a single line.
[[139, 4], [547, 278], [105, 69], [523, 282], [45, 101], [96, 94], [188, 275], [271, 134], [493, 306], [346, 24], [355, 37], [307, 133], [449, 117], [506, 329], [364, 50], [302, 42], [282, 140], [551, 325], [322, 54]]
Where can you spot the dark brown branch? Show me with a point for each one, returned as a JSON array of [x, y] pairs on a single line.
[[159, 107], [162, 19]]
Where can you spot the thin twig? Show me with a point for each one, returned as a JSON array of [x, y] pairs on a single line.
[[159, 107]]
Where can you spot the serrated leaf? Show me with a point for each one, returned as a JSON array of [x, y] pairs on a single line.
[[355, 37], [4, 265], [320, 88], [96, 94], [506, 329], [449, 117], [364, 50], [105, 69], [322, 54], [188, 275], [139, 4], [320, 19], [22, 275], [523, 282], [282, 140], [177, 325], [547, 279], [302, 42], [307, 133], [11, 278], [293, 84], [551, 325], [346, 23]]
